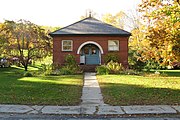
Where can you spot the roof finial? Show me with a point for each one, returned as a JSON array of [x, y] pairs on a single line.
[[90, 14]]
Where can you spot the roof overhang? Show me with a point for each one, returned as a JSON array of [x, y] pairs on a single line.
[[113, 35]]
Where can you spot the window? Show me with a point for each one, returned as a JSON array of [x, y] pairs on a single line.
[[113, 45], [67, 45], [86, 50], [93, 50]]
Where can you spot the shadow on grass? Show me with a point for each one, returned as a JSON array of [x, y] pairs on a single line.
[[10, 70], [125, 94], [13, 90]]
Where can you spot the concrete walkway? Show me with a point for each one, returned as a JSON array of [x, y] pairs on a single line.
[[90, 110], [91, 94], [92, 104]]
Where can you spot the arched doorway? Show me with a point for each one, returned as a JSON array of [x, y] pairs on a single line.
[[88, 47], [90, 55]]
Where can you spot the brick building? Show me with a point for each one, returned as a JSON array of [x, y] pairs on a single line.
[[89, 40]]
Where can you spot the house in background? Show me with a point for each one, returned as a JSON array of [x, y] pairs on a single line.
[[89, 40]]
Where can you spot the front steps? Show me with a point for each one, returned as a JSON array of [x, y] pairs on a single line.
[[88, 68]]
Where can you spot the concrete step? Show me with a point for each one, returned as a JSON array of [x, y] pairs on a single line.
[[88, 68]]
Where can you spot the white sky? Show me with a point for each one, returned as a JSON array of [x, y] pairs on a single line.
[[60, 12]]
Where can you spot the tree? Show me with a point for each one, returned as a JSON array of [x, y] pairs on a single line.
[[25, 40], [163, 34], [115, 20]]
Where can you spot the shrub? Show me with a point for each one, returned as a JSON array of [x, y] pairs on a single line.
[[69, 68], [151, 64], [66, 71], [111, 57], [134, 61], [46, 69], [55, 72], [115, 67], [70, 63], [102, 70], [56, 66]]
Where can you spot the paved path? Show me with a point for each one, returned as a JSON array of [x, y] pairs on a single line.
[[91, 94], [90, 110], [87, 117], [92, 104]]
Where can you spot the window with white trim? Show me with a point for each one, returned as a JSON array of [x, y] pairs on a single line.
[[67, 45], [113, 45]]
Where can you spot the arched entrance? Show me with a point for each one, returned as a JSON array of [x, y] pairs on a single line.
[[90, 53]]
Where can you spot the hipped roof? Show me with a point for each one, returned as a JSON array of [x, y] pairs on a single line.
[[90, 26]]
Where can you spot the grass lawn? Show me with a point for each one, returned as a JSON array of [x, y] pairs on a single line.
[[139, 90], [175, 73], [41, 90]]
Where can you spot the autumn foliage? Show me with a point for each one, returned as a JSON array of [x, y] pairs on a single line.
[[157, 40], [24, 40]]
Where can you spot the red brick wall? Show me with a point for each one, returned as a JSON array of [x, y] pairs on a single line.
[[58, 54]]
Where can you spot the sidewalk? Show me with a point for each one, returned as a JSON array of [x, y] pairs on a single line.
[[90, 110], [92, 104]]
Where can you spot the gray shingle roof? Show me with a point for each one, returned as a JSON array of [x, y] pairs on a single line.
[[90, 26]]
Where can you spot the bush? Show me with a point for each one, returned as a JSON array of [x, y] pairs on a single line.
[[28, 74], [102, 70], [70, 63], [66, 71], [46, 69], [111, 57], [134, 62], [151, 64], [115, 67], [69, 68]]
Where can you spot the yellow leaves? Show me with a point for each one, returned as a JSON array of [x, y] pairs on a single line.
[[169, 47], [31, 45], [109, 18], [159, 39], [120, 14], [177, 25], [115, 20], [168, 30]]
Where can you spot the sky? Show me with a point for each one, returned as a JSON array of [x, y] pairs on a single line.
[[60, 13]]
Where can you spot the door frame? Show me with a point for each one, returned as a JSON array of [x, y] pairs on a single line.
[[90, 57], [94, 43]]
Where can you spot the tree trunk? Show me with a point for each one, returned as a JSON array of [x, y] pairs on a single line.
[[25, 67]]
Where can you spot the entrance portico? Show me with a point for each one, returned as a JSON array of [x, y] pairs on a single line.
[[90, 53]]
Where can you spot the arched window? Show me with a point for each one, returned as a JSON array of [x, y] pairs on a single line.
[[113, 45]]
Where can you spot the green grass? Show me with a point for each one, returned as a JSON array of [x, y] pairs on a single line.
[[40, 90], [175, 73], [139, 90]]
